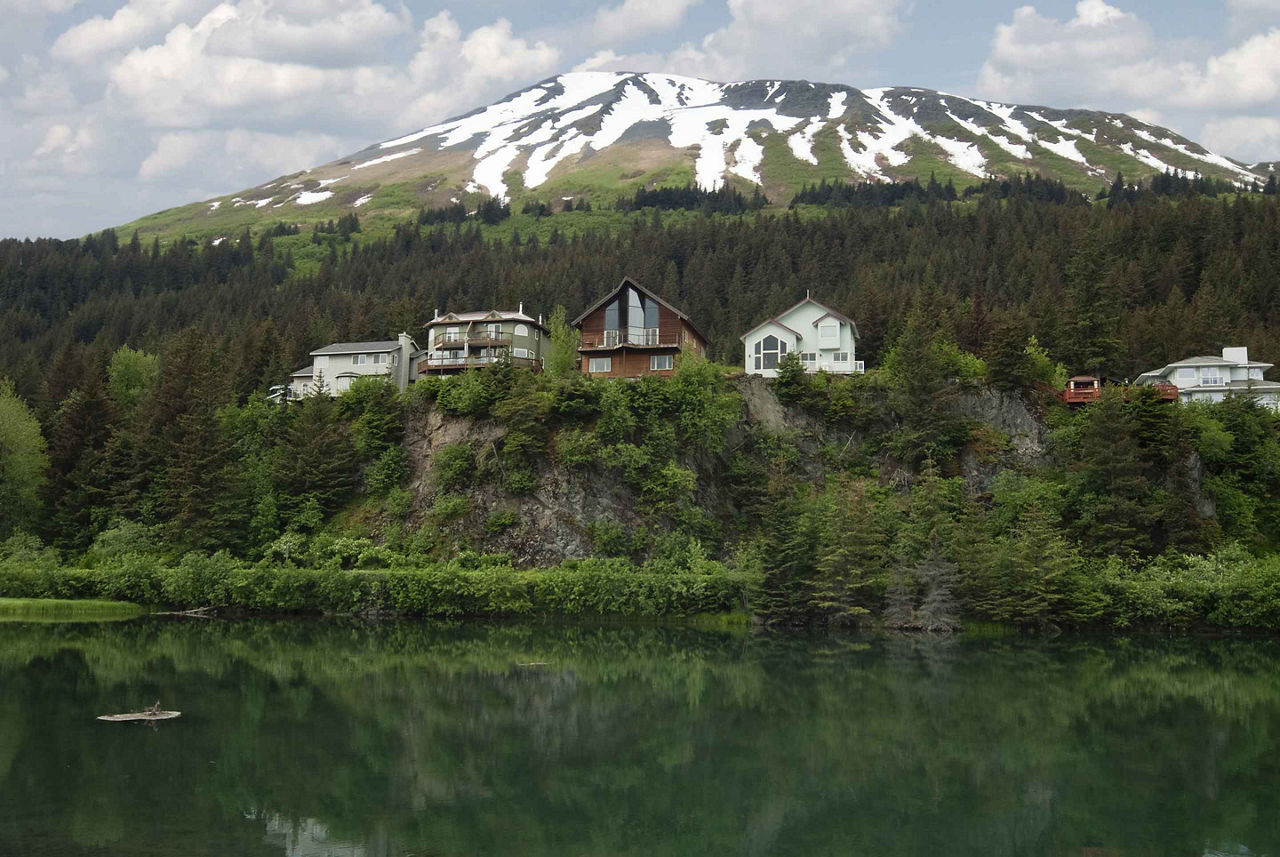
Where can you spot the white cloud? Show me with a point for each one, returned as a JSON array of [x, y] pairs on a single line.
[[61, 139], [1108, 58], [35, 7], [131, 23], [242, 154], [325, 33], [1249, 16], [1257, 137], [450, 73], [4, 74], [637, 18], [1104, 53], [767, 38]]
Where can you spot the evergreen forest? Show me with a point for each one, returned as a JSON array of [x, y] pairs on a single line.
[[140, 458]]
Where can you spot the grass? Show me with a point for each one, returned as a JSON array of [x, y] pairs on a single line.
[[53, 610]]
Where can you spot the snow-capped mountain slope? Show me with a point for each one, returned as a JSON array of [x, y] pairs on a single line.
[[601, 134]]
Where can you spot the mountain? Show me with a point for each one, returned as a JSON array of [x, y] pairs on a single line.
[[599, 135]]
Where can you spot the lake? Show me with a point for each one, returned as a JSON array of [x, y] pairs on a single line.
[[319, 738]]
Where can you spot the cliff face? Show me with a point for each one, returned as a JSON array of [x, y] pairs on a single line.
[[560, 516]]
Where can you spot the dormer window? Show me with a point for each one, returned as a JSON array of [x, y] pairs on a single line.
[[829, 330]]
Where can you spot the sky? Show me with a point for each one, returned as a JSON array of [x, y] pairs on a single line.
[[110, 110]]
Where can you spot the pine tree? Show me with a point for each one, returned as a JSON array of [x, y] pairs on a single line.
[[850, 554]]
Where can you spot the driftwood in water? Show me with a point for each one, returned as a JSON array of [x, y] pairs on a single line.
[[197, 613], [147, 715]]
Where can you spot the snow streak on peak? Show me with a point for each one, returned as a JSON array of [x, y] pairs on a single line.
[[726, 127]]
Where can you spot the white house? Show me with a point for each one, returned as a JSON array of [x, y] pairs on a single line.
[[1210, 379], [343, 362], [824, 339]]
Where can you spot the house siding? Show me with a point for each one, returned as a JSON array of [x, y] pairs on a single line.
[[800, 328], [631, 359]]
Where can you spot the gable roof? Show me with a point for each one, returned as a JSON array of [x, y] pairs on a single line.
[[486, 315], [359, 347], [827, 312], [627, 281]]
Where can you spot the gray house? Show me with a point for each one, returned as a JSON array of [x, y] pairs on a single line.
[[335, 366]]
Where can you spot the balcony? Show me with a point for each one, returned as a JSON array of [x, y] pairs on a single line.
[[438, 364], [474, 337], [636, 337]]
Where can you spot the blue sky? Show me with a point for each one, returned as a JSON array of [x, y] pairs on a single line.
[[110, 109]]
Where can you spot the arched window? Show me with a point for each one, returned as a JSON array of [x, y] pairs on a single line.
[[771, 349], [522, 330]]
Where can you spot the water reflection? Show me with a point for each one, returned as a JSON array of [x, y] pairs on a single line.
[[329, 738]]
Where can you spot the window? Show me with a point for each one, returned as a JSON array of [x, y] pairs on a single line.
[[452, 334], [357, 359], [610, 338], [1186, 374], [520, 352], [1214, 380], [494, 330], [611, 315], [379, 359], [522, 330], [661, 362], [829, 330], [395, 359], [600, 364], [808, 356], [771, 352], [842, 356], [1255, 374]]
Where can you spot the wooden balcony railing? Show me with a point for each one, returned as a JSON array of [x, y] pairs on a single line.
[[1085, 395], [635, 338], [440, 363], [474, 337]]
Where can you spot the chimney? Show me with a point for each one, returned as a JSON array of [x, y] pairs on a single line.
[[435, 313], [521, 309], [1236, 355]]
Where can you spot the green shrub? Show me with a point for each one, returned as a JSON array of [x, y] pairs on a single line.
[[453, 466], [449, 507], [577, 448], [501, 519], [387, 472]]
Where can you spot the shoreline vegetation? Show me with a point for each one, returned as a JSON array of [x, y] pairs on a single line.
[[141, 461]]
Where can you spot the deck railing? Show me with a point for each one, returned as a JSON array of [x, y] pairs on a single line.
[[650, 337], [473, 337], [440, 363]]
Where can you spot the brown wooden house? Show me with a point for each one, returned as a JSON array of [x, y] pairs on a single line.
[[632, 332]]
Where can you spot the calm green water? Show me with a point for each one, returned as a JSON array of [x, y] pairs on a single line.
[[325, 738]]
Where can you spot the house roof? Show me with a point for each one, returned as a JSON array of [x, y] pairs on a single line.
[[828, 312], [486, 315], [304, 372], [359, 347], [1206, 360], [627, 281], [779, 324]]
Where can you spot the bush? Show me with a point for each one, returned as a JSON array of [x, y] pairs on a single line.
[[481, 586], [453, 466], [387, 472]]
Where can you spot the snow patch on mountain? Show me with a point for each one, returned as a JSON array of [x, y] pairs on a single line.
[[571, 117]]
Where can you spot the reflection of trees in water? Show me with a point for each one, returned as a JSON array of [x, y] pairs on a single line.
[[407, 737]]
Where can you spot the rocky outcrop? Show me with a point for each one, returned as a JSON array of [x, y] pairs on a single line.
[[555, 519]]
